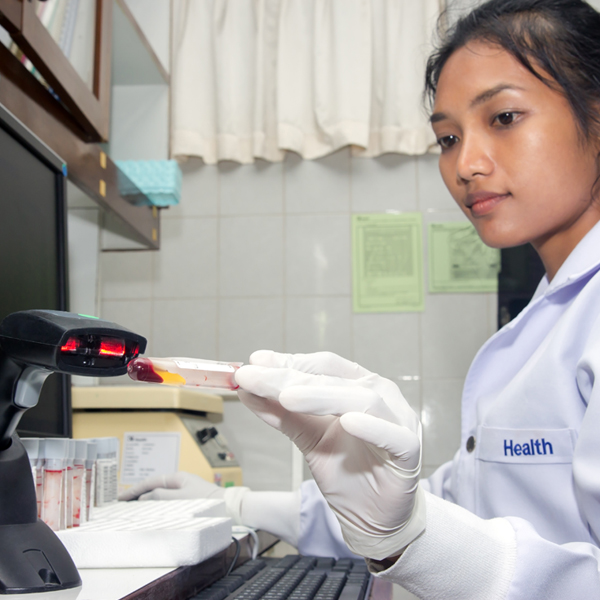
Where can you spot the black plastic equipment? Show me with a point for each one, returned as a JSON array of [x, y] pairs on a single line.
[[34, 344]]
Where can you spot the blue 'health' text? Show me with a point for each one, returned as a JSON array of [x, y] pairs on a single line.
[[530, 448]]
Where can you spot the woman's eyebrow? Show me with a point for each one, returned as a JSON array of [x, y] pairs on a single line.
[[489, 94], [479, 99]]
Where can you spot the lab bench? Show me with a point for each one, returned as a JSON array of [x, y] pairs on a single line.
[[167, 583], [184, 583]]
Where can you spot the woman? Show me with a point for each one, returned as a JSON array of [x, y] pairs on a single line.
[[516, 89], [516, 514]]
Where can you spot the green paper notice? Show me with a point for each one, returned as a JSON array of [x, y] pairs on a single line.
[[387, 263], [459, 261]]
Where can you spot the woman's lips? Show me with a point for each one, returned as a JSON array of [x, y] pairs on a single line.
[[481, 203]]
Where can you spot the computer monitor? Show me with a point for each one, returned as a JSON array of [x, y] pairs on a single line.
[[33, 253]]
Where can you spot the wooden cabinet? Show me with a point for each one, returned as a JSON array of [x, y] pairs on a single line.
[[72, 116]]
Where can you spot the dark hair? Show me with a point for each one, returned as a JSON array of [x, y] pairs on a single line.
[[560, 37]]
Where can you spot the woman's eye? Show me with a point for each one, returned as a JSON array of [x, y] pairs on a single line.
[[447, 141], [506, 118]]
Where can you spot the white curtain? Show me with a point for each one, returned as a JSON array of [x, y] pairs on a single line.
[[254, 78]]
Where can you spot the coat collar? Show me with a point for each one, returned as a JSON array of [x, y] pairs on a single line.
[[583, 260]]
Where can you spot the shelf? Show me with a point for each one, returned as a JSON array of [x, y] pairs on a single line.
[[138, 77], [134, 61], [89, 167], [88, 108]]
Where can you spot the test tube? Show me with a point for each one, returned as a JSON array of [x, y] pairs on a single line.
[[189, 372], [114, 468], [90, 478], [32, 447], [39, 479], [56, 450], [79, 486], [67, 512], [106, 472]]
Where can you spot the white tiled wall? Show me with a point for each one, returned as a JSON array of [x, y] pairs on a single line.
[[258, 256]]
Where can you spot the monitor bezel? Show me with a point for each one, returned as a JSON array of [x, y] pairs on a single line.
[[24, 136]]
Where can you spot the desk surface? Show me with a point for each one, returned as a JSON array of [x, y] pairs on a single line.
[[111, 584], [165, 584]]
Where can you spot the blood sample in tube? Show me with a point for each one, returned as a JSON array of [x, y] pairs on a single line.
[[188, 372]]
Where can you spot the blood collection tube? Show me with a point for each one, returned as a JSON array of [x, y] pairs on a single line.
[[189, 372], [56, 451], [90, 479], [67, 512], [106, 471], [39, 476], [32, 446], [79, 481]]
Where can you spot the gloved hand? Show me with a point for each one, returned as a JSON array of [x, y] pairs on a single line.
[[186, 486], [361, 439], [177, 486]]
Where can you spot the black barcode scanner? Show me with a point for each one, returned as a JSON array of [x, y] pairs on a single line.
[[34, 344]]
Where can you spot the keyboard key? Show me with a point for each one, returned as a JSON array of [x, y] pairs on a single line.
[[351, 591], [211, 593], [229, 583], [287, 561]]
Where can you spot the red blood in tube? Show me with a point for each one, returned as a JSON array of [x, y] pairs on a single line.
[[141, 369]]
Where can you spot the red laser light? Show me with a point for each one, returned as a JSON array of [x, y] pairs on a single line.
[[72, 345], [112, 347]]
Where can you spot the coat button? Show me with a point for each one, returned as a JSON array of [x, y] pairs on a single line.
[[471, 444]]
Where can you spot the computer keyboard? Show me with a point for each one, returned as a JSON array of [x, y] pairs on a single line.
[[293, 578]]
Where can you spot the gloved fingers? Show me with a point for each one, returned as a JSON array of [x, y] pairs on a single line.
[[335, 400], [144, 486], [268, 382], [316, 363], [192, 485], [161, 494], [303, 430], [270, 411], [402, 444], [325, 369]]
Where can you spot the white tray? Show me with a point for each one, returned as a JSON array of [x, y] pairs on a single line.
[[160, 533]]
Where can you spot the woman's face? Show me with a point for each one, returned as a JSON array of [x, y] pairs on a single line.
[[512, 156]]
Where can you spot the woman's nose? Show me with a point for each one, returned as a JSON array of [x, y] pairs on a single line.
[[474, 158]]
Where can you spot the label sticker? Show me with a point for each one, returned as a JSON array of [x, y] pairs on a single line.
[[146, 454]]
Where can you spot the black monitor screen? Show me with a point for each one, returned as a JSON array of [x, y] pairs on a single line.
[[32, 258]]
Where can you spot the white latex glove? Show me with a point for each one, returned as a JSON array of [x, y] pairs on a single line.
[[177, 486], [186, 486], [361, 439]]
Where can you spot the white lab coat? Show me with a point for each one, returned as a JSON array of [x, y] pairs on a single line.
[[531, 404]]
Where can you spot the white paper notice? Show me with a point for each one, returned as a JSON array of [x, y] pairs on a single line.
[[146, 454]]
